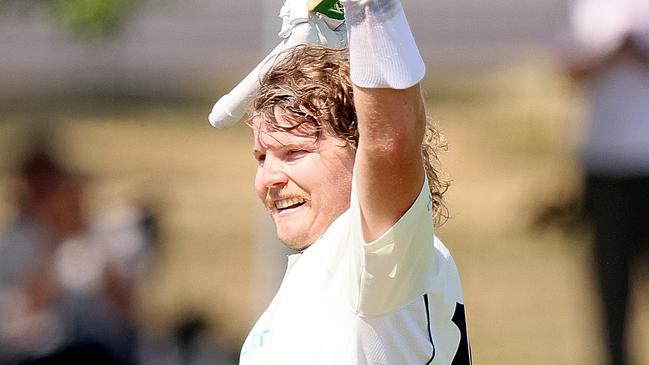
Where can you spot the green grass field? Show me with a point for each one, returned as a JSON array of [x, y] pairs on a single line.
[[511, 135]]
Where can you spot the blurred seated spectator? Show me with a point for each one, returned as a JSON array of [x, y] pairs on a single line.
[[67, 283]]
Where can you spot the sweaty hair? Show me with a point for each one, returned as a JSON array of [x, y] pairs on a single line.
[[311, 85]]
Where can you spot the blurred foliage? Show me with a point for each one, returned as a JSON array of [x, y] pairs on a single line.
[[91, 18], [86, 19]]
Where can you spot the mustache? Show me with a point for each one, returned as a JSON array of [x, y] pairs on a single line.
[[273, 194]]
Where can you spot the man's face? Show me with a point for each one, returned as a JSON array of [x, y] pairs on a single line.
[[305, 184]]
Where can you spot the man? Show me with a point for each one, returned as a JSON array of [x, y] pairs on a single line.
[[609, 57], [348, 181]]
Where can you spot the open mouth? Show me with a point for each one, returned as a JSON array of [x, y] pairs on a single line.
[[286, 204]]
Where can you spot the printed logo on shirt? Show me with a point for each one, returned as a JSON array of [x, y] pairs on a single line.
[[255, 343]]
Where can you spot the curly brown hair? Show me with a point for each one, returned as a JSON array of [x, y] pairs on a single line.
[[311, 84]]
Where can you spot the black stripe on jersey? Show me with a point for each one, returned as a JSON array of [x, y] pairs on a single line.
[[463, 354], [430, 335]]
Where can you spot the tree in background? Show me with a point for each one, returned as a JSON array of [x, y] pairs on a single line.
[[85, 19]]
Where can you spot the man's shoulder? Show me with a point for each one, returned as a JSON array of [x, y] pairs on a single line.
[[441, 248]]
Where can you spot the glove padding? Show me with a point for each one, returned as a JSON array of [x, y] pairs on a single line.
[[382, 49]]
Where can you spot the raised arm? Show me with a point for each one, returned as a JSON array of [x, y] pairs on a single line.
[[386, 68], [580, 65], [603, 33]]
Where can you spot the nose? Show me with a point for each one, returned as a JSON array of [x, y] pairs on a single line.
[[273, 173]]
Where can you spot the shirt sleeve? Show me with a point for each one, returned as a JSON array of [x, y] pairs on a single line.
[[402, 264]]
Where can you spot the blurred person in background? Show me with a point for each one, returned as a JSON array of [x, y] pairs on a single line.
[[608, 55], [193, 340], [67, 282]]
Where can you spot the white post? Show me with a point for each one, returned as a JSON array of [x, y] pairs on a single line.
[[270, 254]]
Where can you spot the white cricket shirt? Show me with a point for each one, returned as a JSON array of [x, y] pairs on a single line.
[[396, 300]]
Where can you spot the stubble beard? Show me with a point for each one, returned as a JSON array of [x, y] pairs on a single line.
[[294, 240]]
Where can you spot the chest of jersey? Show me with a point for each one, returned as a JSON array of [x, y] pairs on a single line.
[[310, 322]]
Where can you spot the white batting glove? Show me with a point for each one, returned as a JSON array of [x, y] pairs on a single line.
[[299, 26]]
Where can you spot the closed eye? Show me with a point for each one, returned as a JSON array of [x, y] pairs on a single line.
[[297, 153]]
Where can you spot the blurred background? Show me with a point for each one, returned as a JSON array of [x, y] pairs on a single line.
[[126, 221]]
